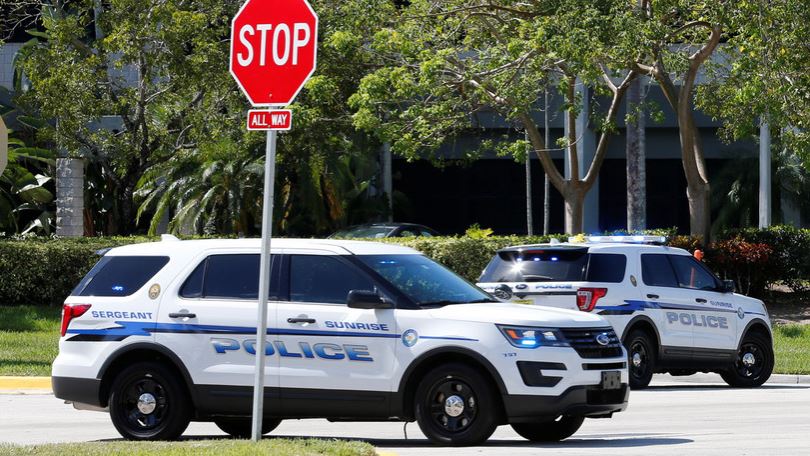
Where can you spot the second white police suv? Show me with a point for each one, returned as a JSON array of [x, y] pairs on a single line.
[[163, 333], [671, 312]]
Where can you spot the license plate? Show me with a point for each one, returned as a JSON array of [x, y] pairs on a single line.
[[611, 380], [523, 301]]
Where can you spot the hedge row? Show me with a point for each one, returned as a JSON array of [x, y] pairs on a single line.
[[44, 270]]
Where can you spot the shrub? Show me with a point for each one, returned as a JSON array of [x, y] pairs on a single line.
[[744, 262], [44, 270]]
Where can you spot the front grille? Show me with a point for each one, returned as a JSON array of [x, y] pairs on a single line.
[[583, 340]]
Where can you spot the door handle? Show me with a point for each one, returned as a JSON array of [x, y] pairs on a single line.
[[182, 315], [701, 300], [300, 320], [653, 296]]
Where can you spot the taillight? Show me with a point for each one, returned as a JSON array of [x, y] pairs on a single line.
[[71, 311], [587, 298]]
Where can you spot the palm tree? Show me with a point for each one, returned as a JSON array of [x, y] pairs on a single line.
[[204, 192]]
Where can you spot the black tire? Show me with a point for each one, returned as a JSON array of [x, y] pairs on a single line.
[[549, 431], [641, 358], [757, 349], [477, 409], [241, 427], [171, 410]]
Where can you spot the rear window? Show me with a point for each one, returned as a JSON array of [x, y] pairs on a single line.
[[555, 265], [119, 275]]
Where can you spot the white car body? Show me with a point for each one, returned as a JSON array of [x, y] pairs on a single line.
[[324, 359], [694, 329]]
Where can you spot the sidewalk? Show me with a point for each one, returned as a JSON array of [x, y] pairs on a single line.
[[42, 385]]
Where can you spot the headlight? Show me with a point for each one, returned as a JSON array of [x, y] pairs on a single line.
[[530, 337]]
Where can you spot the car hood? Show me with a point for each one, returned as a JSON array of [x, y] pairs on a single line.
[[519, 314]]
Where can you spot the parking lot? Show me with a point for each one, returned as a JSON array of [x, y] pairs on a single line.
[[672, 417]]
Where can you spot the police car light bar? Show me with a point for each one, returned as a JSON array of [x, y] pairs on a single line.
[[631, 239]]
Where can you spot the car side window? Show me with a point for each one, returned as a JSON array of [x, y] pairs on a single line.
[[228, 276], [119, 275], [606, 267], [232, 276], [691, 274], [657, 272], [324, 279]]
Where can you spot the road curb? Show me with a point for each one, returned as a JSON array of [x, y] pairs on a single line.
[[23, 385], [715, 378]]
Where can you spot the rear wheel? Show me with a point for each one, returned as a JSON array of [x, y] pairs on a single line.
[[549, 431], [242, 428], [753, 364], [455, 405], [148, 402], [641, 355]]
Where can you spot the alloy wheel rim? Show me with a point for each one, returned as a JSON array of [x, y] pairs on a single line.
[[452, 405], [144, 404], [750, 360], [638, 360]]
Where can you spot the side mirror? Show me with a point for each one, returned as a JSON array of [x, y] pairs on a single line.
[[365, 299], [728, 286]]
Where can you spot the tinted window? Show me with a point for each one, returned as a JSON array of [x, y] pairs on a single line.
[[232, 276], [319, 278], [192, 288], [552, 265], [692, 274], [423, 280], [606, 267], [657, 272], [120, 275]]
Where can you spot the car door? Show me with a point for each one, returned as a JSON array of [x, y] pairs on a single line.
[[209, 321], [711, 314], [332, 356], [663, 297]]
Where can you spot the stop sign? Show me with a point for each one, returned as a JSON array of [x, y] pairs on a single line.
[[273, 49]]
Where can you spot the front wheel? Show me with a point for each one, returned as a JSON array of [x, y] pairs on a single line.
[[641, 354], [242, 428], [455, 405], [549, 431], [753, 365], [148, 402]]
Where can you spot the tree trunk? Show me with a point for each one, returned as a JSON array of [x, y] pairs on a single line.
[[699, 211], [636, 166], [574, 208]]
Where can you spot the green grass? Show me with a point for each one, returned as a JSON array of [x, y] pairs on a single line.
[[276, 447], [29, 339], [792, 346]]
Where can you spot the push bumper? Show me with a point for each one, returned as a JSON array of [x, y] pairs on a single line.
[[79, 390], [592, 401]]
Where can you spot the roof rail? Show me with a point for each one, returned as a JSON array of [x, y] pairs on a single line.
[[168, 238]]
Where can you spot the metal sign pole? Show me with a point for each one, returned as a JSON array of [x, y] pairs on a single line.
[[264, 286]]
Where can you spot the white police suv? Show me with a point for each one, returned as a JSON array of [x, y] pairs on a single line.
[[163, 333], [672, 313]]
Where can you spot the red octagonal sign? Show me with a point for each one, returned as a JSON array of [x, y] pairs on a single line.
[[273, 49]]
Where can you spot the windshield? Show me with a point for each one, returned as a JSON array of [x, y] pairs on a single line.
[[537, 266], [364, 232], [424, 281]]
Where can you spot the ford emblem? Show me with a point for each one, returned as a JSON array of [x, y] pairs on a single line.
[[603, 339]]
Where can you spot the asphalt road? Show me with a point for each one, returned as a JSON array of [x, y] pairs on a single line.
[[666, 419]]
